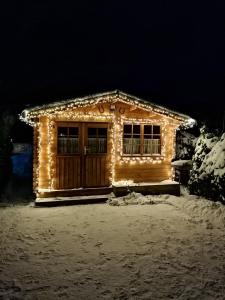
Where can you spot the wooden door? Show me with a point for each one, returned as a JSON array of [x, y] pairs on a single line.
[[81, 159], [69, 155], [95, 155]]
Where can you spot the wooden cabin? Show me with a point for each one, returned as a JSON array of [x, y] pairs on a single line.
[[90, 145]]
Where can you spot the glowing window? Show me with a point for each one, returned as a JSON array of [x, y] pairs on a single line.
[[141, 139]]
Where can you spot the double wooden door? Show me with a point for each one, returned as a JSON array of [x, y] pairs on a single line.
[[81, 155]]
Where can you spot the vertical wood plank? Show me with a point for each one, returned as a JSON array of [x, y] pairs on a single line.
[[94, 180], [104, 169], [73, 173], [98, 165]]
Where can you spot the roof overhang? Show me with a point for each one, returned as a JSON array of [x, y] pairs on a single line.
[[30, 115]]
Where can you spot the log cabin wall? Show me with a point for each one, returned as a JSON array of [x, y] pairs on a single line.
[[115, 115], [43, 168], [35, 158]]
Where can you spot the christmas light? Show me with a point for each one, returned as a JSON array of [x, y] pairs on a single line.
[[106, 108]]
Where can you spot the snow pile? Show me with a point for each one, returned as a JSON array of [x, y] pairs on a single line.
[[123, 183], [207, 177], [137, 198], [197, 208], [130, 183], [201, 210], [131, 198], [181, 163]]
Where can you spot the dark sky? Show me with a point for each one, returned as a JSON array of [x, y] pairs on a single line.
[[172, 52]]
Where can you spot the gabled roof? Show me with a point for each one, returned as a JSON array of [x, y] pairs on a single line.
[[109, 97]]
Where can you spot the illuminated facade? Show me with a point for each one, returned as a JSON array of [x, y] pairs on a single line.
[[99, 140]]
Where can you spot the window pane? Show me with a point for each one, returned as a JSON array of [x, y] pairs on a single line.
[[136, 129], [147, 137], [102, 145], [151, 146], [156, 129], [92, 145], [62, 131], [73, 131], [156, 146], [92, 132], [128, 136], [73, 145], [147, 129], [127, 146], [131, 145], [102, 132], [62, 142], [147, 146], [136, 146], [127, 129]]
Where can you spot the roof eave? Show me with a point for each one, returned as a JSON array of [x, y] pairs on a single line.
[[27, 113]]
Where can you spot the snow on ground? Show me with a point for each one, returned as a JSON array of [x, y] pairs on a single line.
[[173, 248]]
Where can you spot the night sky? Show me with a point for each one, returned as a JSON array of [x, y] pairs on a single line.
[[170, 52]]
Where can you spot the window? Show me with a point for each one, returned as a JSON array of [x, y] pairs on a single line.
[[151, 143], [132, 139], [68, 140], [97, 140], [141, 139]]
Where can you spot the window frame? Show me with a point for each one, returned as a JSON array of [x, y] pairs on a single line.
[[142, 154]]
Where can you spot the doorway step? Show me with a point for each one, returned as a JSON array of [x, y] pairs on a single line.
[[61, 201]]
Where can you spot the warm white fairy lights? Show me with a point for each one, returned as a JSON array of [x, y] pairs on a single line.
[[164, 123], [36, 157], [51, 157], [111, 97], [49, 152], [39, 127], [96, 109]]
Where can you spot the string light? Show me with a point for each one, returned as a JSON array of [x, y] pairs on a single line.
[[110, 97], [87, 110]]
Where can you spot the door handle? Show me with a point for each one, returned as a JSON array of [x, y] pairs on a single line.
[[85, 150]]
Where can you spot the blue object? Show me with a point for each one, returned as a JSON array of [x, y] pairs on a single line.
[[22, 164]]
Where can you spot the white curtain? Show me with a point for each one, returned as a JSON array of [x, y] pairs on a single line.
[[152, 146]]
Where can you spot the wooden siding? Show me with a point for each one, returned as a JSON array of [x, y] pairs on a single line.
[[142, 172], [43, 180], [68, 172], [60, 167], [96, 173], [35, 158]]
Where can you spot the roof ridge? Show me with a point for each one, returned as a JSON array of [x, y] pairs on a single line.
[[127, 97]]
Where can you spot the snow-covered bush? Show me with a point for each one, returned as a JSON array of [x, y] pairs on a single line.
[[213, 167], [185, 145], [207, 177]]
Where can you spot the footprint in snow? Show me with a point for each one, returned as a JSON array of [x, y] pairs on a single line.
[[98, 244]]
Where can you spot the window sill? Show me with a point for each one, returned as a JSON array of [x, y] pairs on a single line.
[[142, 155]]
